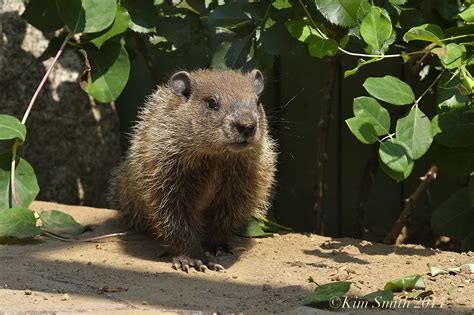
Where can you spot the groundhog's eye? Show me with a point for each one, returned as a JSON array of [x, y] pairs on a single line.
[[211, 103]]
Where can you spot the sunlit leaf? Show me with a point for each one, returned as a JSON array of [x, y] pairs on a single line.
[[19, 223], [110, 71], [342, 12], [405, 283], [415, 131], [376, 28], [426, 32], [328, 291], [396, 155], [320, 47], [87, 16], [363, 130], [369, 109], [120, 25], [390, 89], [11, 128], [60, 223], [451, 55], [25, 182]]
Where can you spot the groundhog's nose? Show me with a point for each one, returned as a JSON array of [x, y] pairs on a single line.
[[246, 128]]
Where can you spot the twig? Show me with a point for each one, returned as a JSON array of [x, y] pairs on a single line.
[[410, 205], [324, 36], [27, 113], [429, 87], [322, 154]]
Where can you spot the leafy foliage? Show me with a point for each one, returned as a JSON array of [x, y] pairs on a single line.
[[243, 35]]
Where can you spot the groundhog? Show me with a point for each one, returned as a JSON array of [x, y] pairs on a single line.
[[200, 163]]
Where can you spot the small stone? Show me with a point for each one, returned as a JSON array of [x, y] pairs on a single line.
[[234, 277], [451, 260], [334, 252], [266, 287], [89, 263], [408, 262], [27, 292], [144, 303], [65, 297]]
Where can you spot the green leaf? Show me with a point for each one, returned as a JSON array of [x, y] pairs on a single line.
[[253, 229], [376, 28], [426, 32], [110, 71], [319, 47], [281, 4], [468, 245], [11, 128], [229, 15], [276, 40], [43, 15], [60, 223], [454, 217], [142, 15], [470, 188], [454, 161], [379, 296], [448, 94], [405, 283], [363, 130], [454, 128], [120, 25], [87, 16], [434, 271], [398, 176], [396, 155], [398, 2], [390, 89], [371, 111], [360, 63], [415, 131], [25, 182], [451, 55], [300, 29], [342, 12], [328, 291], [19, 223], [468, 14]]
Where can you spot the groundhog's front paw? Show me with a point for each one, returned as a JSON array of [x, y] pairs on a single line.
[[185, 262]]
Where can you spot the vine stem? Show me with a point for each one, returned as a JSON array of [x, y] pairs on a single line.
[[429, 87], [324, 36], [27, 113]]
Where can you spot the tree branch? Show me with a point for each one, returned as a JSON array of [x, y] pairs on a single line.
[[396, 236]]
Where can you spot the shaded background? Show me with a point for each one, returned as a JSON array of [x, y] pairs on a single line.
[[74, 143]]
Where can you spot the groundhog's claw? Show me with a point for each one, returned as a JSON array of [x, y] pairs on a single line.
[[184, 263]]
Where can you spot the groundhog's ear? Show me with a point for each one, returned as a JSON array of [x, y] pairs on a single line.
[[257, 78], [180, 84]]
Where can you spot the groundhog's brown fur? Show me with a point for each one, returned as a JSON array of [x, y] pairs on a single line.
[[195, 173]]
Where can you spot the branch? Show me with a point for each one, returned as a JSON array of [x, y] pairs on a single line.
[[27, 113], [396, 236]]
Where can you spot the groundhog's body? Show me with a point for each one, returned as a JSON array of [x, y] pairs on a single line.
[[188, 177]]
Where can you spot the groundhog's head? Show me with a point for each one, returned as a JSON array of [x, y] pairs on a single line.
[[225, 109]]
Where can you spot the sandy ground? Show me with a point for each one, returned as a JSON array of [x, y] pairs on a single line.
[[262, 276]]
